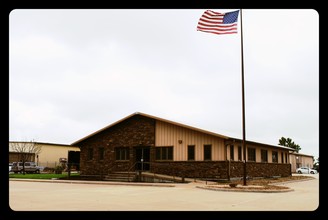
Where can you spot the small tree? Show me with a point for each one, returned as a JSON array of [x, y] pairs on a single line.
[[288, 142], [26, 150], [316, 165]]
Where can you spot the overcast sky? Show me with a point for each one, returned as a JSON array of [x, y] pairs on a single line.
[[72, 72]]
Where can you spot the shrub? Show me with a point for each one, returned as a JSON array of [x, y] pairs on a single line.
[[58, 169], [48, 170]]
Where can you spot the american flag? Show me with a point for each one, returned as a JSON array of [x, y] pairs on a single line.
[[218, 23]]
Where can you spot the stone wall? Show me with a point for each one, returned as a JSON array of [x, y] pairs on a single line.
[[219, 169], [132, 132], [138, 131]]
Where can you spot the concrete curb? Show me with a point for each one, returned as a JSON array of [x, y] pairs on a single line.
[[240, 189], [93, 182]]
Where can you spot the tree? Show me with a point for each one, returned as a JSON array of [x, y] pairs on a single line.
[[26, 151], [288, 142], [316, 165]]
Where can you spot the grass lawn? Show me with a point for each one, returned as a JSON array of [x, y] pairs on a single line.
[[41, 175]]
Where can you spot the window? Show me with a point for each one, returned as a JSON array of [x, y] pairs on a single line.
[[251, 156], [164, 153], [286, 158], [232, 153], [90, 153], [282, 157], [264, 156], [274, 157], [122, 153], [239, 153], [207, 152], [101, 152], [191, 152]]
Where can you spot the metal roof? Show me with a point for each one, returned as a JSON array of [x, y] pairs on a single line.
[[300, 154], [259, 143], [39, 143], [178, 124], [153, 117]]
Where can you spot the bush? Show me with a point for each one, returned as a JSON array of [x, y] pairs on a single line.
[[48, 170], [58, 169]]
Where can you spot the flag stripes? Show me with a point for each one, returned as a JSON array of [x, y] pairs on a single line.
[[218, 23]]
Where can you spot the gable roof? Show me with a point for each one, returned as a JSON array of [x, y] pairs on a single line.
[[177, 124], [153, 117]]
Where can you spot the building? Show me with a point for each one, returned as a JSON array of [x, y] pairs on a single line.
[[50, 155], [144, 142], [300, 160]]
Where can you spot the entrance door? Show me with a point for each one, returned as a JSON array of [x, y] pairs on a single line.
[[74, 159], [142, 158]]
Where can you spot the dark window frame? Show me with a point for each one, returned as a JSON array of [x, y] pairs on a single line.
[[101, 153], [251, 154], [282, 157], [122, 153], [274, 156], [207, 152], [240, 157], [164, 153], [232, 152], [191, 152], [286, 157], [90, 154], [264, 156]]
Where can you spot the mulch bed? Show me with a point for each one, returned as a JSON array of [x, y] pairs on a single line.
[[267, 181], [257, 185]]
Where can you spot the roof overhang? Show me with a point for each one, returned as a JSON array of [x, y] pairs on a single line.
[[233, 140], [153, 117], [228, 139]]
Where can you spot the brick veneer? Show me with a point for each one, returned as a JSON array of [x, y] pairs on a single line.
[[139, 130], [220, 169], [132, 132]]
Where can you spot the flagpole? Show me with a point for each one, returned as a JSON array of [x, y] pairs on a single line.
[[243, 95], [206, 24]]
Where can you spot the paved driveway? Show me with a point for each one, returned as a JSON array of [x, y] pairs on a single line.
[[53, 196]]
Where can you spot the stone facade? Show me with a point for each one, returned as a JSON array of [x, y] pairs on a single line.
[[136, 133], [220, 169], [133, 132]]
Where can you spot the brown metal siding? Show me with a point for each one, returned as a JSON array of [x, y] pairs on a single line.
[[169, 135]]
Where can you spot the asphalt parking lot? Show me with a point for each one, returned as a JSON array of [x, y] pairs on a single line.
[[58, 196]]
